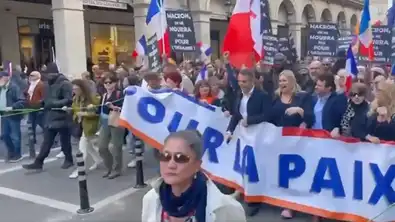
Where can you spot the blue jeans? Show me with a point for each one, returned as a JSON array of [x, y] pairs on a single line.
[[11, 134]]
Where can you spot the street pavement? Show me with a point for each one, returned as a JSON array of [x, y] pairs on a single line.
[[50, 196]]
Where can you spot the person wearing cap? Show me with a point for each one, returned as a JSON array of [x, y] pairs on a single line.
[[184, 192], [58, 98], [11, 99]]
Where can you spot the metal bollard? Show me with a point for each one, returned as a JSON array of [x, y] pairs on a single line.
[[139, 145], [85, 207], [32, 149]]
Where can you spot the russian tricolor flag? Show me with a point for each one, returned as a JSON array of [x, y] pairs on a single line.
[[156, 21], [205, 50], [141, 46], [203, 74], [365, 33], [351, 68]]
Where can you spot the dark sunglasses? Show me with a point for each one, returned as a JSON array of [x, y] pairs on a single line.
[[177, 157], [353, 94], [107, 82]]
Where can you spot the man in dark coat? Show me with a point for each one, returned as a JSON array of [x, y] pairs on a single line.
[[57, 119]]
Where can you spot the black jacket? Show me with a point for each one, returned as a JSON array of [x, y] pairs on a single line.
[[258, 108], [58, 92]]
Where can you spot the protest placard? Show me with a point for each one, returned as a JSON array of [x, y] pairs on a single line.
[[181, 30], [153, 53], [322, 39]]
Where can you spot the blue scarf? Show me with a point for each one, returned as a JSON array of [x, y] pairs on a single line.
[[194, 199]]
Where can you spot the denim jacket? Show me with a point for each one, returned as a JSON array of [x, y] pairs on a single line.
[[15, 99]]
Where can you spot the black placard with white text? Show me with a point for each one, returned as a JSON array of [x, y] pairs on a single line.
[[270, 46], [322, 39], [153, 53], [382, 43], [181, 31]]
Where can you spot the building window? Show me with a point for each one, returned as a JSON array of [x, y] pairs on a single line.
[[36, 41], [111, 44], [214, 36]]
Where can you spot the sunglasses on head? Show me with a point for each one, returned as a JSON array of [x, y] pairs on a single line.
[[359, 94], [177, 157]]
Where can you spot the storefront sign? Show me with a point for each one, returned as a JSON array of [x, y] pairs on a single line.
[[382, 36], [270, 46], [45, 27], [118, 4], [181, 31], [153, 53], [322, 39]]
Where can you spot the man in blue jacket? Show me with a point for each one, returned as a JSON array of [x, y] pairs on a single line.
[[329, 106], [11, 99]]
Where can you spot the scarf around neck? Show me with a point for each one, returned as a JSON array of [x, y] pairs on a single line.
[[194, 199]]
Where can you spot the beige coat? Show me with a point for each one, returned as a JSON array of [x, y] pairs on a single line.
[[220, 207]]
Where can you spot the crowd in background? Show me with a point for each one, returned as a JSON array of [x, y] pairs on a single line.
[[310, 94]]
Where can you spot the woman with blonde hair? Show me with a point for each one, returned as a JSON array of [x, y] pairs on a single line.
[[291, 106], [381, 123]]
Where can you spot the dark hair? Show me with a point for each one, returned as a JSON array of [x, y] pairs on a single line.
[[359, 88], [133, 80], [328, 79], [85, 89], [199, 84], [111, 76], [247, 72], [151, 76]]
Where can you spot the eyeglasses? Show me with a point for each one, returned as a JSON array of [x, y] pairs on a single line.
[[107, 83], [177, 157], [353, 94]]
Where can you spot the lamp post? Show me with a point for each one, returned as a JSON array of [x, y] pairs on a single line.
[[229, 5]]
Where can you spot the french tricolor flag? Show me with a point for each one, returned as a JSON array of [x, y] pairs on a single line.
[[203, 74], [351, 68], [243, 39], [365, 33], [141, 46], [205, 50], [156, 21]]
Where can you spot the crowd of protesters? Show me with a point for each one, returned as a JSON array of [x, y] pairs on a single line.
[[308, 94]]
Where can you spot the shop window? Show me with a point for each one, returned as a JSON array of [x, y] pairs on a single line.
[[112, 44]]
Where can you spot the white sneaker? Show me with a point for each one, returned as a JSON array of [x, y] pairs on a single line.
[[94, 167], [60, 155], [74, 174], [132, 164]]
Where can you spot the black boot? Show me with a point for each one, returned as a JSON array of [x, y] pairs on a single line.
[[33, 166], [67, 165]]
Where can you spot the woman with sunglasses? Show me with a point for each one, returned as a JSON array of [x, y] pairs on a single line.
[[112, 102], [184, 193], [353, 122]]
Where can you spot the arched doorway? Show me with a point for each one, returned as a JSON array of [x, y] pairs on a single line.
[[326, 16], [342, 24]]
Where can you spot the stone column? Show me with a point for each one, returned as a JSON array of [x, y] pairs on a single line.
[[9, 39], [140, 9], [68, 19], [296, 29], [201, 20]]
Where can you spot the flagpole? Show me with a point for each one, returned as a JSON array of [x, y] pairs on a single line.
[[162, 14]]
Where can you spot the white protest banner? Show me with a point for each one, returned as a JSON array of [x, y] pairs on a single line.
[[303, 170]]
